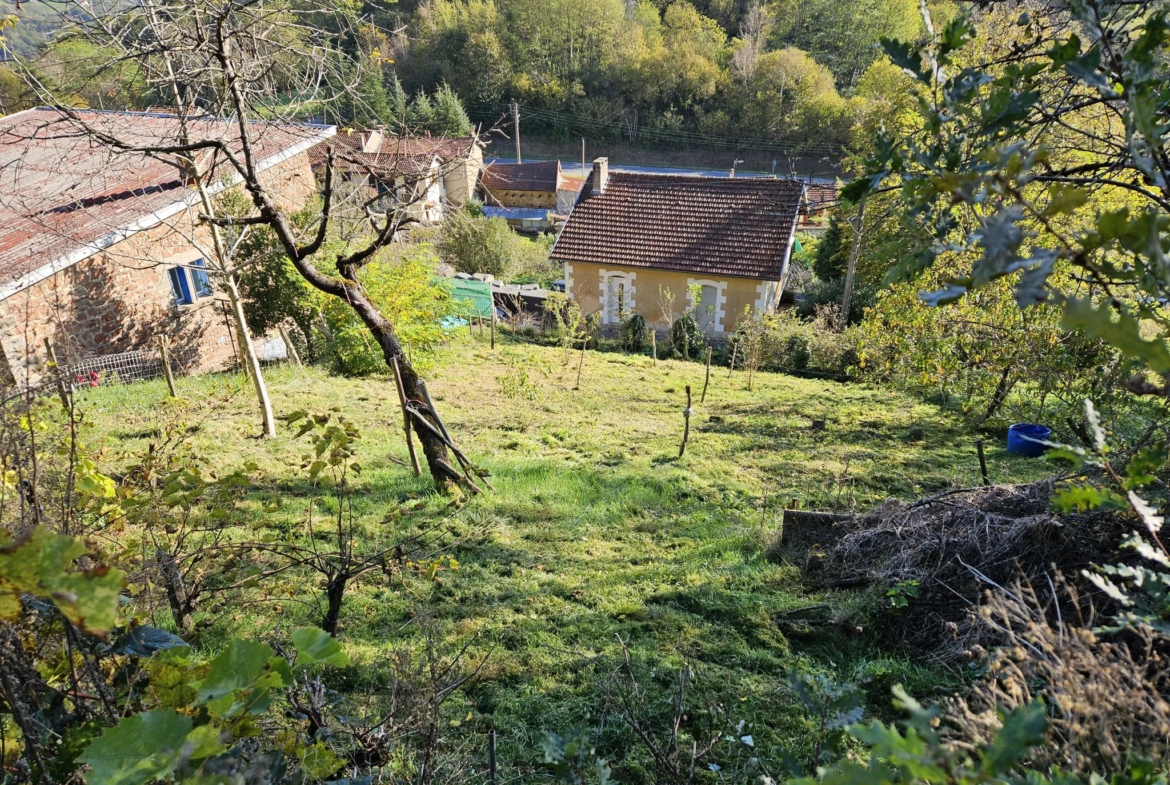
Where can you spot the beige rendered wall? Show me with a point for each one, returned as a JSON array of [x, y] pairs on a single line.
[[643, 292]]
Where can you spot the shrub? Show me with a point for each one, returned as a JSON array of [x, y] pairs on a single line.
[[635, 335], [473, 244], [687, 337]]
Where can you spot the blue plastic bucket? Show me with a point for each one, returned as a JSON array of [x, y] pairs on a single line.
[[1024, 439]]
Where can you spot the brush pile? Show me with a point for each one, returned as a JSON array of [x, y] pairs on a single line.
[[939, 556]]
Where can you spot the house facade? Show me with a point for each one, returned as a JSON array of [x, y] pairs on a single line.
[[649, 243], [537, 184], [102, 253], [428, 174]]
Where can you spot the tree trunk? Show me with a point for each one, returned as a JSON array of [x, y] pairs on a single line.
[[172, 579], [854, 251], [335, 594], [249, 356]]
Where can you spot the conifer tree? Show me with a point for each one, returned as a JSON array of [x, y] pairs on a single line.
[[420, 115], [450, 117]]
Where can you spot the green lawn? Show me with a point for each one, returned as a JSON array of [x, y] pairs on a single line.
[[597, 529]]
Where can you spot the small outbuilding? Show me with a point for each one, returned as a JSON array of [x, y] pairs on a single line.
[[633, 240]]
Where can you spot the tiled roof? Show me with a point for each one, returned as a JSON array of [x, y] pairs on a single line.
[[535, 176], [64, 197], [819, 196], [410, 155], [706, 225]]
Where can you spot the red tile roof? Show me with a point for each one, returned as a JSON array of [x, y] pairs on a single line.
[[706, 225], [535, 176], [64, 197], [411, 155]]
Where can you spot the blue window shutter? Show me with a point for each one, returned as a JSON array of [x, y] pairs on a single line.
[[201, 281], [180, 287]]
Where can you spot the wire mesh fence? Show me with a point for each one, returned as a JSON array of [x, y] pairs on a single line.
[[133, 366]]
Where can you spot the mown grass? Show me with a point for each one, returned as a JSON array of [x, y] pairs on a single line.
[[597, 532]]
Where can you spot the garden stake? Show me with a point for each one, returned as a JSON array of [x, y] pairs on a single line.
[[60, 377], [405, 416], [581, 364], [470, 325], [493, 325], [707, 379], [982, 461], [654, 346], [292, 350], [686, 424], [166, 361], [492, 755], [731, 366]]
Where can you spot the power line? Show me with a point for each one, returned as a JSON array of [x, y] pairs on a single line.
[[602, 127]]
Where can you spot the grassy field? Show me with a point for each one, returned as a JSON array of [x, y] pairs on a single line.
[[597, 532]]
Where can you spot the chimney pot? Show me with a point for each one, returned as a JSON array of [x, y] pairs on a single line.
[[600, 174]]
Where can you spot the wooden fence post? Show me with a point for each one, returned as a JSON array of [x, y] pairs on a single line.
[[734, 351], [581, 364], [982, 461], [166, 362], [654, 345], [292, 350], [62, 390], [405, 416], [682, 448], [493, 324], [470, 325], [707, 379]]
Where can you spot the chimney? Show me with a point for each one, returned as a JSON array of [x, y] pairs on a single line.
[[373, 141], [600, 175]]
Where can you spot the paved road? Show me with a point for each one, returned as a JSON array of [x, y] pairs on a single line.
[[573, 168]]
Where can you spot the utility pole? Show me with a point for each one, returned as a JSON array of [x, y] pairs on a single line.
[[858, 228], [516, 128]]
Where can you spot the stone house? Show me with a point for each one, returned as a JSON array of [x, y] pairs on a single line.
[[101, 252], [537, 184], [428, 173], [633, 237]]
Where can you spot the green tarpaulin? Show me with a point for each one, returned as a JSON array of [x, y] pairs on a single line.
[[470, 296]]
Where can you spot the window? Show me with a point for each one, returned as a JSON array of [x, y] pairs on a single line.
[[187, 289], [201, 281], [180, 287]]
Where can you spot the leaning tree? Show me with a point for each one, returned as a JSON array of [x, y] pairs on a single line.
[[256, 65]]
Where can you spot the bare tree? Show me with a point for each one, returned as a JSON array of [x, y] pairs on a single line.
[[753, 38], [260, 64]]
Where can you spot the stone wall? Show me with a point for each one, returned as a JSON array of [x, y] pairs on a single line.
[[121, 299]]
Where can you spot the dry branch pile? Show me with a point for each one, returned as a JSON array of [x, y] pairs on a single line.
[[949, 549]]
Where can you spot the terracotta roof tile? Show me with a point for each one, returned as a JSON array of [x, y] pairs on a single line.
[[535, 176], [61, 192], [707, 225]]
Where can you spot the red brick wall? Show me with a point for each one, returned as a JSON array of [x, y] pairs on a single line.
[[121, 299]]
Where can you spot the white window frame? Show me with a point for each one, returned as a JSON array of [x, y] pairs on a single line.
[[608, 316], [720, 299]]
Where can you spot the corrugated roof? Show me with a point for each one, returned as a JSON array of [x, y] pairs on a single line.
[[705, 225], [64, 196], [517, 213]]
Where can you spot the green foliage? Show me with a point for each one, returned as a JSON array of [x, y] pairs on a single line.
[[919, 754], [41, 564], [476, 244], [687, 337], [635, 335], [203, 705], [1004, 135], [450, 116], [572, 759], [407, 294]]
